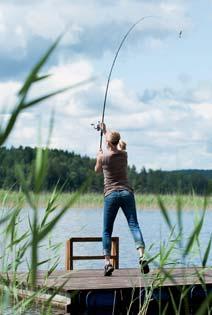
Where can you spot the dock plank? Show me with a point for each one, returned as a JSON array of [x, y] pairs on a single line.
[[121, 278]]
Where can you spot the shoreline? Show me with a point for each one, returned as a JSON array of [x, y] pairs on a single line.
[[96, 200]]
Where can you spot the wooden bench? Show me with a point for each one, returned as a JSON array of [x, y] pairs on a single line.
[[70, 256]]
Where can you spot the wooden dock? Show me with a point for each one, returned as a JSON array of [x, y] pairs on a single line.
[[93, 279], [85, 281], [123, 278]]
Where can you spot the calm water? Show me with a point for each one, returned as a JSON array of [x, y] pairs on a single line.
[[88, 222]]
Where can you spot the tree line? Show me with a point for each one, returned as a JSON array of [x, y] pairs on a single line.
[[69, 171]]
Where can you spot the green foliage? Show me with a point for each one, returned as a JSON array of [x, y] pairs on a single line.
[[166, 251], [164, 212], [28, 174], [69, 170], [207, 251], [23, 102]]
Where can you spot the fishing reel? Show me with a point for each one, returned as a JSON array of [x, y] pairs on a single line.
[[96, 126]]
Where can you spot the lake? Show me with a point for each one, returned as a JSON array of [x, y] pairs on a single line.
[[88, 222]]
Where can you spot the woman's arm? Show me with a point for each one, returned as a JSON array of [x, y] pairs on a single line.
[[99, 157], [98, 166]]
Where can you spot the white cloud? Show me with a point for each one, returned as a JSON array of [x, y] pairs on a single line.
[[69, 110], [21, 21], [204, 110], [65, 75], [153, 43], [8, 98], [203, 92], [70, 73], [12, 32]]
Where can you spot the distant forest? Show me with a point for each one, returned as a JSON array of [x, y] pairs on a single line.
[[68, 171]]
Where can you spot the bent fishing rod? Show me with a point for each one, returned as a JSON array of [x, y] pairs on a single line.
[[98, 126]]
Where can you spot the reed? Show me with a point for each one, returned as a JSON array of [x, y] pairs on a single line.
[[95, 200], [17, 243], [186, 247]]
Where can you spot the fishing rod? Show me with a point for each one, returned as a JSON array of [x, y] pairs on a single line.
[[98, 125]]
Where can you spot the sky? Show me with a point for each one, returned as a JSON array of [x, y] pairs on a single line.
[[160, 93]]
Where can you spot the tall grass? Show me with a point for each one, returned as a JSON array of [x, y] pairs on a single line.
[[16, 243], [95, 200], [179, 304]]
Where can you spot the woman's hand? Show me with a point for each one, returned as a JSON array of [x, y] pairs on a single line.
[[103, 128]]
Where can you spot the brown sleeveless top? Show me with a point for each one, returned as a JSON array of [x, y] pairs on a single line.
[[114, 167]]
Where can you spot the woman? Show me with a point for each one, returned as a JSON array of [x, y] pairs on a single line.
[[117, 193]]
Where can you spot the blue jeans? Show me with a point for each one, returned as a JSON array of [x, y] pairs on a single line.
[[112, 203]]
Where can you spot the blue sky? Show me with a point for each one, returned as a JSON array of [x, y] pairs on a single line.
[[160, 96]]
